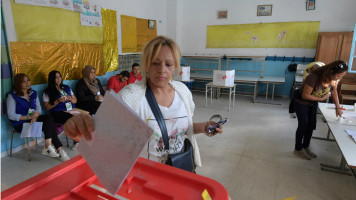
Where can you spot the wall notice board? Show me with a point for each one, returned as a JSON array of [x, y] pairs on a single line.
[[264, 35]]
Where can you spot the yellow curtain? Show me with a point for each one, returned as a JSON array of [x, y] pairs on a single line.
[[135, 33], [46, 24], [110, 48], [129, 34], [144, 34], [37, 59]]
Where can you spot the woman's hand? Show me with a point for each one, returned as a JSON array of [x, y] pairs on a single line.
[[99, 97], [78, 126], [202, 127], [33, 120], [61, 99], [323, 98], [68, 98], [34, 115], [339, 112], [217, 129]]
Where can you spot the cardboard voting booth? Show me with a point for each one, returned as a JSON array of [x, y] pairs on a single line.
[[224, 77], [183, 74]]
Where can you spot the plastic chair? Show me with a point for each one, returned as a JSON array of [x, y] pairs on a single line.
[[13, 131], [347, 92]]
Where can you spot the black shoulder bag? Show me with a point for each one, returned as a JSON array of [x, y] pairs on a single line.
[[183, 160]]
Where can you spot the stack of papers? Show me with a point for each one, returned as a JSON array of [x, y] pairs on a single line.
[[352, 134]]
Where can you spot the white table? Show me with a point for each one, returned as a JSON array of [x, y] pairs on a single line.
[[347, 147], [328, 111], [210, 86], [337, 128], [272, 80], [249, 81], [202, 76], [190, 60]]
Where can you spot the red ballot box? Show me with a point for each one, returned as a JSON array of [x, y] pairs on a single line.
[[147, 180]]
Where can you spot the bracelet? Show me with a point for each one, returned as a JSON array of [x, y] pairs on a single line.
[[27, 118], [337, 108]]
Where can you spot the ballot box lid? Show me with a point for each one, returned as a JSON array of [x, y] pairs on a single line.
[[147, 180]]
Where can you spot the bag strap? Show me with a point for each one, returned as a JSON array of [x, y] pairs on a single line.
[[158, 115]]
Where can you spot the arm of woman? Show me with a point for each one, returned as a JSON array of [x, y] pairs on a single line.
[[73, 98], [307, 91], [335, 98], [46, 103], [11, 110], [202, 127]]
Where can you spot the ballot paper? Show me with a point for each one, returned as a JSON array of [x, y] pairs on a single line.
[[33, 129], [120, 135], [352, 134]]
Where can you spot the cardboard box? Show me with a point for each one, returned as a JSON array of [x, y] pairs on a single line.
[[183, 74], [224, 77]]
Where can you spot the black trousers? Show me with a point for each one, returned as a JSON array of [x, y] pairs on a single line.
[[48, 129], [60, 117], [306, 124]]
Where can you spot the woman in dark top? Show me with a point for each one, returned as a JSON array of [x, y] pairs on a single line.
[[23, 106], [316, 87], [89, 91], [59, 98]]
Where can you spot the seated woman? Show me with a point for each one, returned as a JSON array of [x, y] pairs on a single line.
[[89, 91], [59, 98], [23, 106], [161, 58]]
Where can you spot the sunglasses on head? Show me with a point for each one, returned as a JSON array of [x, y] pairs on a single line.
[[341, 66]]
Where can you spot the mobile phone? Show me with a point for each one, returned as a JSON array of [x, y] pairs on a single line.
[[212, 128]]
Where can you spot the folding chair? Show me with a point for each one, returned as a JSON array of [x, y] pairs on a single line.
[[347, 92], [13, 131]]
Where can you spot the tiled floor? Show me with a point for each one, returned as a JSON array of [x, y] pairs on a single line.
[[253, 158]]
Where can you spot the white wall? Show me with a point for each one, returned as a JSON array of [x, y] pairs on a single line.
[[146, 9], [195, 16]]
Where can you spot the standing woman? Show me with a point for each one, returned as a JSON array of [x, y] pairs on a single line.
[[23, 106], [161, 58], [316, 87], [89, 91], [58, 98]]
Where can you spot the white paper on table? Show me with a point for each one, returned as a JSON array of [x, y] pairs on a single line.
[[120, 135], [349, 115], [33, 129], [352, 134]]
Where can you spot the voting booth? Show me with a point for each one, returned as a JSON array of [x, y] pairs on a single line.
[[224, 77], [74, 179], [183, 74]]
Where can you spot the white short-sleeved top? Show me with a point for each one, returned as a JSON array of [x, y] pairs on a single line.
[[176, 119]]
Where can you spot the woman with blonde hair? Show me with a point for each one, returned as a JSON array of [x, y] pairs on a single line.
[[161, 58]]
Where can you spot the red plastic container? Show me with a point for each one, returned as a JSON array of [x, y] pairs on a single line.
[[147, 180]]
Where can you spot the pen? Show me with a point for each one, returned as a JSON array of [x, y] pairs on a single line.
[[149, 119]]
